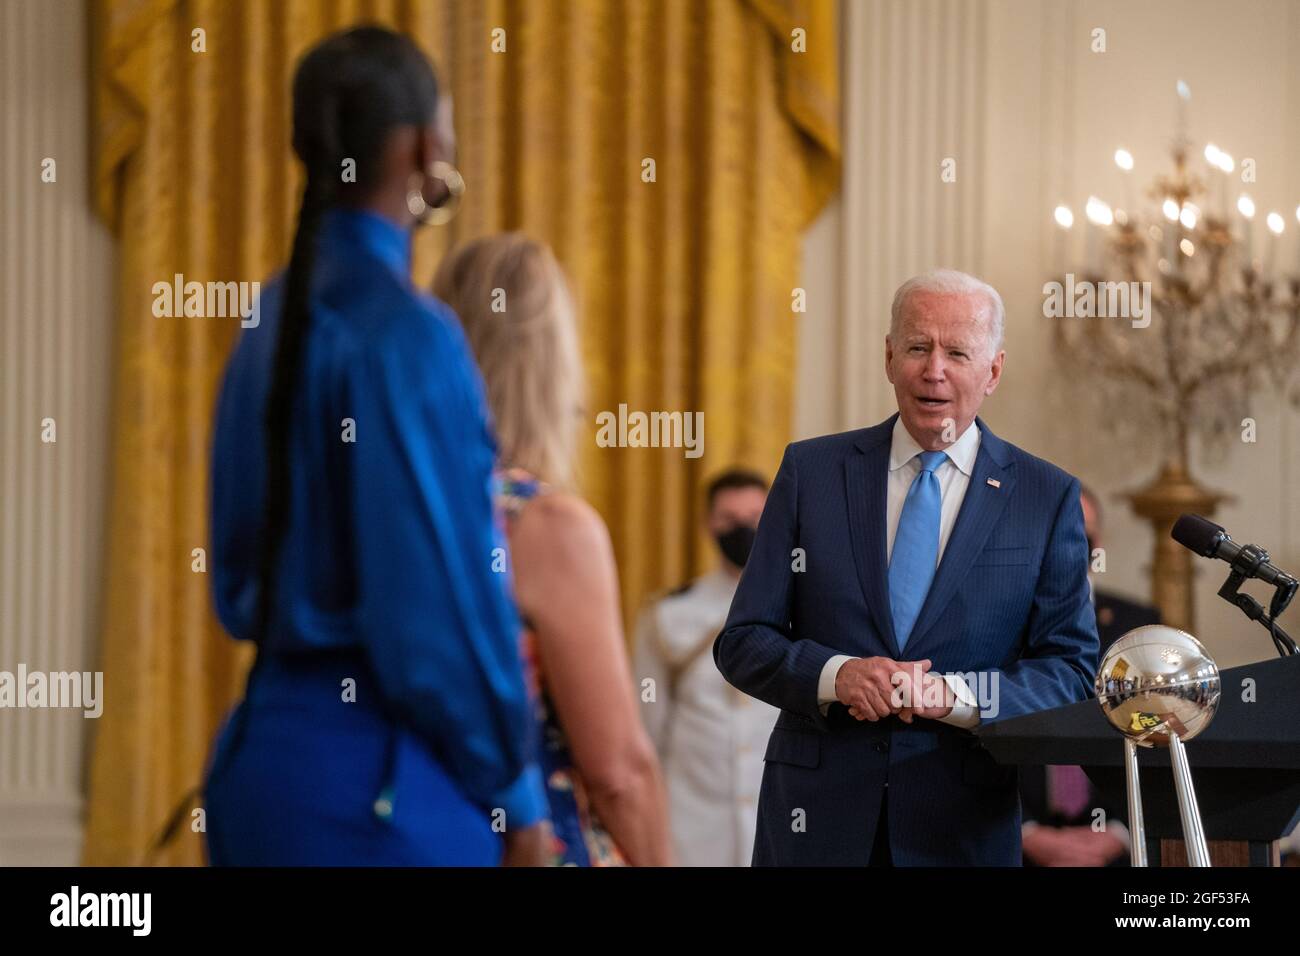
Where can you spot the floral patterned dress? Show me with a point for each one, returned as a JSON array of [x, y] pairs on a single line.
[[579, 839]]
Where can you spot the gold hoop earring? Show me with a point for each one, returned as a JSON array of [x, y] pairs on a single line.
[[438, 215]]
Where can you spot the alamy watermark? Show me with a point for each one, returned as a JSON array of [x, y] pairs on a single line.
[[82, 690], [207, 300], [130, 910], [982, 686], [651, 430], [1101, 300]]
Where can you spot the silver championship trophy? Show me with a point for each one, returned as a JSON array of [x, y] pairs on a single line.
[[1159, 687]]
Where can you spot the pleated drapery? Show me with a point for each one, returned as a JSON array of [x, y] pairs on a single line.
[[684, 284]]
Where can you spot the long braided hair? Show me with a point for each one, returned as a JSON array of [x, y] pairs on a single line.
[[349, 92]]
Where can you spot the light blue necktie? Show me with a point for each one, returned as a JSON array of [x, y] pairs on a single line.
[[916, 547]]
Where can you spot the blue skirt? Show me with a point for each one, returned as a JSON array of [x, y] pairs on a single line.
[[302, 776]]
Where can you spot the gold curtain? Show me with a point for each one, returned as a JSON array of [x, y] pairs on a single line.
[[685, 283]]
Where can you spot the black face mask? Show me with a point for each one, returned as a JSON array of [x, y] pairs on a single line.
[[736, 543]]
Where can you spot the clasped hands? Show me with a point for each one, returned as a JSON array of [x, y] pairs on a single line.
[[874, 687]]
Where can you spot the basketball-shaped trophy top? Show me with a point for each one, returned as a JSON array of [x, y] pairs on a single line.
[[1157, 680]]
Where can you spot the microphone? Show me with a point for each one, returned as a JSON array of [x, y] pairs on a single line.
[[1206, 538], [1211, 541]]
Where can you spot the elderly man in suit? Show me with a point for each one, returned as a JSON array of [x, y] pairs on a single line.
[[907, 581]]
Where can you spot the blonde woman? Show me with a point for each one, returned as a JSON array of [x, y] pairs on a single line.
[[602, 777]]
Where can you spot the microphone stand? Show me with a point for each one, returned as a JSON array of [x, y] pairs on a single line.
[[1245, 565]]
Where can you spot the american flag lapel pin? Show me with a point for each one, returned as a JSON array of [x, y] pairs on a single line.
[[994, 482]]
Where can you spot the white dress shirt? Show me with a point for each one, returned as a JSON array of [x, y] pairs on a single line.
[[953, 474], [710, 737]]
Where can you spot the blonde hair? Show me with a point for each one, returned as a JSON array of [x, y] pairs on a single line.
[[518, 314]]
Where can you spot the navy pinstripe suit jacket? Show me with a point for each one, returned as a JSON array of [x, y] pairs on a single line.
[[1009, 601]]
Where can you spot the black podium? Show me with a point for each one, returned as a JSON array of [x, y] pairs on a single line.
[[1245, 766]]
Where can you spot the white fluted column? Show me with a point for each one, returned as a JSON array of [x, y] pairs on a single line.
[[55, 297]]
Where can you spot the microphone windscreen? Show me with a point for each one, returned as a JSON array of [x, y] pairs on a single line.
[[1197, 534]]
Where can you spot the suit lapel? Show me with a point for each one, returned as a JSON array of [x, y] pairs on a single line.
[[866, 473], [980, 510]]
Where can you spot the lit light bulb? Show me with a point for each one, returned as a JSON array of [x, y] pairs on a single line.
[[1189, 250], [1065, 218], [1275, 223], [1189, 216], [1124, 159], [1226, 162], [1213, 155], [1246, 206], [1170, 209], [1098, 212]]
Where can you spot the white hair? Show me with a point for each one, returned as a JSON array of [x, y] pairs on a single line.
[[950, 281]]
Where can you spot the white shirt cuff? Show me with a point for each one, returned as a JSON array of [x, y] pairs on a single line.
[[965, 711], [826, 682]]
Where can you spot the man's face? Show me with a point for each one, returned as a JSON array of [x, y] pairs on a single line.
[[733, 507], [942, 364]]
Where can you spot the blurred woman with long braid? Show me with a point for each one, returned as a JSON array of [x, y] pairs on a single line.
[[386, 719], [602, 776]]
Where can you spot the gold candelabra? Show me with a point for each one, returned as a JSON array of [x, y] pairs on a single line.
[[1208, 320]]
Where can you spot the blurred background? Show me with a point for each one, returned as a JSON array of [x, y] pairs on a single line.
[[808, 156]]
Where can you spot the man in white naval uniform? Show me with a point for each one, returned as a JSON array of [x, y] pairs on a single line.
[[710, 736]]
